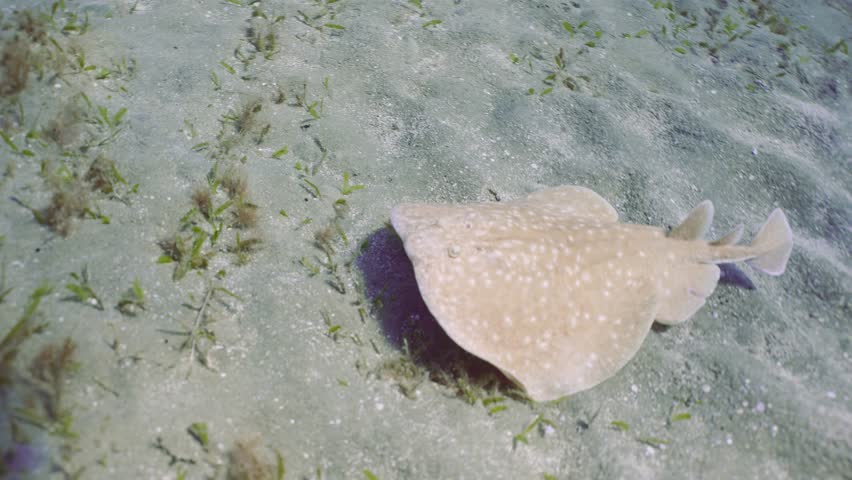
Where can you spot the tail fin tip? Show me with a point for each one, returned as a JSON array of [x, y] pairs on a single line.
[[775, 242]]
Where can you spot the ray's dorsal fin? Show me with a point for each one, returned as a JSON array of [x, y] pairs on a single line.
[[774, 241], [574, 202], [696, 224], [731, 238]]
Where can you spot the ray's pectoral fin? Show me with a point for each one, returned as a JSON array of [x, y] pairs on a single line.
[[684, 291], [592, 352], [572, 203]]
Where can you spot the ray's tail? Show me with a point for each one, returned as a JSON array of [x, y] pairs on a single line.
[[772, 244]]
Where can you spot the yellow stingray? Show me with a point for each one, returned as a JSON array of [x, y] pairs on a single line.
[[555, 292]]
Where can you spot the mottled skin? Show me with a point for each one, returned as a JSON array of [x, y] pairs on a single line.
[[555, 292]]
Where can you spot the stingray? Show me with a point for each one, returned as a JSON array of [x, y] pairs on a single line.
[[558, 294]]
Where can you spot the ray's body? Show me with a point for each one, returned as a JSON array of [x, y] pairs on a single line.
[[556, 293]]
